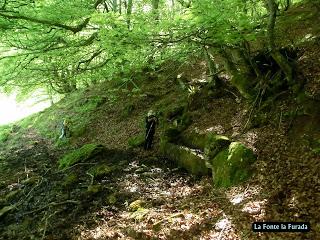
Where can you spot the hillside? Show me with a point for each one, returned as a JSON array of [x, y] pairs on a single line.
[[100, 183]]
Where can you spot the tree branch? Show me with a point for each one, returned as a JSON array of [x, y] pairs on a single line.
[[73, 29]]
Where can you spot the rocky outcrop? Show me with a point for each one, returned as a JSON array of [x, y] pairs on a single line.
[[228, 162]]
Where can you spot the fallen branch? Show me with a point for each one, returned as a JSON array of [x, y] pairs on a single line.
[[77, 164], [50, 205]]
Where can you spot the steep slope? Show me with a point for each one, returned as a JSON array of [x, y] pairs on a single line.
[[127, 193]]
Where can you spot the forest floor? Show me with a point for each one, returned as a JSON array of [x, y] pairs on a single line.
[[145, 196]]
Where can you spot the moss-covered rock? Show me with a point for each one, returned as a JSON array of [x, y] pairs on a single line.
[[135, 205], [185, 159], [139, 214], [171, 134], [31, 181], [101, 170], [3, 202], [80, 155], [13, 194], [194, 140], [232, 165], [69, 180], [214, 145]]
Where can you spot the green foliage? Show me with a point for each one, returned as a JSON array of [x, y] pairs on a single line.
[[82, 154], [4, 133], [58, 47], [136, 141]]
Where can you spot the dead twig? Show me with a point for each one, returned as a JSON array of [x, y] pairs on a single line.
[[46, 223], [91, 176]]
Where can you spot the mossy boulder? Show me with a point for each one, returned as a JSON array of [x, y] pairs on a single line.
[[6, 209], [194, 140], [232, 165], [102, 170], [214, 144], [31, 181], [13, 195], [70, 180], [135, 205], [185, 158], [82, 154], [3, 202], [112, 199]]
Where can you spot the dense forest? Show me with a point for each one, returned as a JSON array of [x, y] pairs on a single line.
[[225, 93]]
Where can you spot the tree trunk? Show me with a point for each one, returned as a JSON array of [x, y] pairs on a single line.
[[129, 11], [155, 9], [115, 5], [242, 82], [276, 55], [215, 80]]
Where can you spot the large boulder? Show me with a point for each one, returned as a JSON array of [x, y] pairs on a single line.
[[229, 162], [214, 145], [194, 140], [186, 158], [232, 165]]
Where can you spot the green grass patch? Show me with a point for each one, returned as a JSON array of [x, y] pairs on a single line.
[[136, 141], [4, 133]]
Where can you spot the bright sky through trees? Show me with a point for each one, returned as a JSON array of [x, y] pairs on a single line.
[[11, 111]]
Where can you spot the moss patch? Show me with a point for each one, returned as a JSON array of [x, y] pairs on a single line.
[[194, 140], [185, 159], [101, 170], [232, 165], [214, 145], [4, 133], [80, 155]]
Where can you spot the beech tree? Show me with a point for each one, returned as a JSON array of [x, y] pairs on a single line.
[[66, 45]]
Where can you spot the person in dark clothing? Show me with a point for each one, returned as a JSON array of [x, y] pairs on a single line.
[[151, 122]]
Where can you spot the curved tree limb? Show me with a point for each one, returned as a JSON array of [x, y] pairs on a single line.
[[73, 29]]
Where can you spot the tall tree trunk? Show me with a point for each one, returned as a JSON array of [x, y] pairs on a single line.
[[215, 80], [155, 9], [129, 11], [115, 5], [241, 81], [276, 55]]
